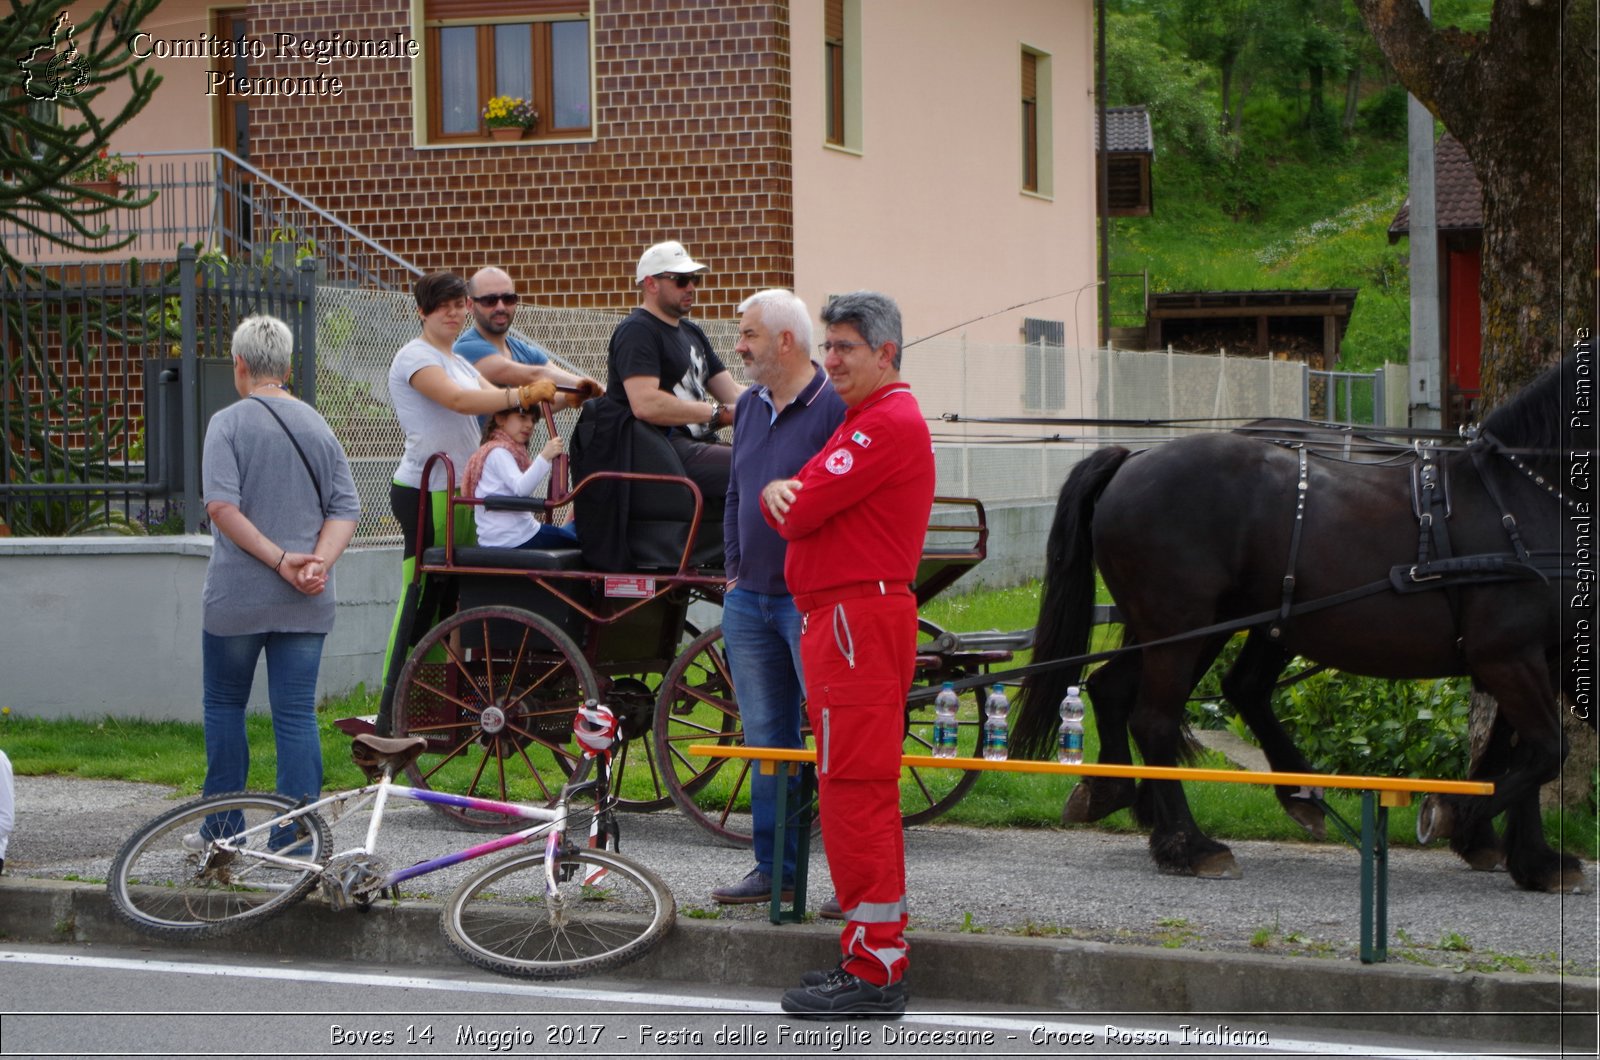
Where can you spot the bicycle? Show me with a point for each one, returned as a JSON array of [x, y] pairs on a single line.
[[222, 863]]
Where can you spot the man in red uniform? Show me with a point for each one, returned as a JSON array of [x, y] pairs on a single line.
[[855, 516]]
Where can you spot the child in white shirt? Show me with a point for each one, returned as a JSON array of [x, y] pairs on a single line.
[[503, 466]]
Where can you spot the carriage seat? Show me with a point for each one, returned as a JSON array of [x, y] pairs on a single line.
[[636, 526]]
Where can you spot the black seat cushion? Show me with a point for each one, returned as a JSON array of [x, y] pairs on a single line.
[[508, 558]]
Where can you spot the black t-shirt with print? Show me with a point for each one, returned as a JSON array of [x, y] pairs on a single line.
[[680, 358]]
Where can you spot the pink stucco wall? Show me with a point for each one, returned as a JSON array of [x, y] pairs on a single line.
[[931, 210]]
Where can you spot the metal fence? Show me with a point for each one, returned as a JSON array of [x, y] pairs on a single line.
[[217, 201], [119, 381], [111, 371]]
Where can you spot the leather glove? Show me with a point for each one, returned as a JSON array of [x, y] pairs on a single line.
[[588, 390], [531, 394]]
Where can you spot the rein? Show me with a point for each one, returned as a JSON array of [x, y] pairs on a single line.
[[1445, 572]]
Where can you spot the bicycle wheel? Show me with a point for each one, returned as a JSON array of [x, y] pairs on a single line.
[[497, 710], [170, 881], [606, 912]]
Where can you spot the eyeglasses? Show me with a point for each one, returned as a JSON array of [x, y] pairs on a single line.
[[842, 347], [682, 279], [488, 300]]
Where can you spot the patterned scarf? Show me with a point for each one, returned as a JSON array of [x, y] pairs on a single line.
[[498, 440]]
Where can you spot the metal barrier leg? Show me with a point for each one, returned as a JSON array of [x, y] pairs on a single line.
[[1373, 842], [1374, 879], [802, 820]]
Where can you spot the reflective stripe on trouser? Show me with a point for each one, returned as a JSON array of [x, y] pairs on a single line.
[[858, 656]]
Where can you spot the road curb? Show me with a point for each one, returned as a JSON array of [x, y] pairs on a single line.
[[1043, 975]]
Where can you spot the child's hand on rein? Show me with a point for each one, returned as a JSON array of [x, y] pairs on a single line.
[[553, 448]]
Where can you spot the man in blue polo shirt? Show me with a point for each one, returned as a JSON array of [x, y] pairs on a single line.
[[780, 422], [504, 359]]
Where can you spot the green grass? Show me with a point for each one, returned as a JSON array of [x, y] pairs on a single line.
[[1291, 218], [173, 753]]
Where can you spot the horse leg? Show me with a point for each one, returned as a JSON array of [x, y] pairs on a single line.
[[1111, 689], [1177, 844], [1471, 836], [1521, 686], [1248, 685]]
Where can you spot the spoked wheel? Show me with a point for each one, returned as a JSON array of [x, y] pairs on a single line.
[[696, 705], [171, 881], [602, 912], [494, 691], [927, 793]]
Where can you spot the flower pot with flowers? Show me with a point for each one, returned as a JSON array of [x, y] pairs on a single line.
[[104, 172], [509, 117]]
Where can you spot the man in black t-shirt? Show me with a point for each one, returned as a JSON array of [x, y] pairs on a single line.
[[662, 367]]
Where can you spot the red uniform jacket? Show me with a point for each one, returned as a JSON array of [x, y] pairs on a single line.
[[862, 510]]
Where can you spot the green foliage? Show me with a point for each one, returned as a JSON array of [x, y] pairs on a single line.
[[1348, 724], [1140, 69], [1385, 113]]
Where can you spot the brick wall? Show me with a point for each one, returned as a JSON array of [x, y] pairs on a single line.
[[693, 143]]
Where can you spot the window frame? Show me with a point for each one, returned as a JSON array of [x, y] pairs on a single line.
[[484, 18], [841, 75], [1035, 125]]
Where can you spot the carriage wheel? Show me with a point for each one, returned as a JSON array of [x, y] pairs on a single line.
[[697, 706], [494, 691], [927, 793]]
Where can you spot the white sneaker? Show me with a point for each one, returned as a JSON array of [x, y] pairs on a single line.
[[195, 841]]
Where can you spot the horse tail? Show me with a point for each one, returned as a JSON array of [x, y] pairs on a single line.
[[1066, 604]]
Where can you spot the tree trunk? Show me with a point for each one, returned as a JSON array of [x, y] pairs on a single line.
[[1227, 95], [1352, 94]]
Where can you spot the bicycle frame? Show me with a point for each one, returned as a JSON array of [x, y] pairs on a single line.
[[552, 824]]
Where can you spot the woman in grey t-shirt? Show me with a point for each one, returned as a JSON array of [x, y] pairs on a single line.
[[437, 396], [283, 506]]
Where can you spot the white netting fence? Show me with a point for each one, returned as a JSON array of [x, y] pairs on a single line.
[[358, 332]]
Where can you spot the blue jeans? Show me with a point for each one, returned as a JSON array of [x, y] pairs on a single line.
[[229, 667], [762, 635], [551, 536]]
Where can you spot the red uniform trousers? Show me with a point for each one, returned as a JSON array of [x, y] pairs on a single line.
[[858, 650]]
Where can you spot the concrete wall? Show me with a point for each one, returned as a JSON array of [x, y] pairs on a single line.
[[111, 626], [91, 627]]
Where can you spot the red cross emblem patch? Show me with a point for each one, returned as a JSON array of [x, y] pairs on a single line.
[[839, 461]]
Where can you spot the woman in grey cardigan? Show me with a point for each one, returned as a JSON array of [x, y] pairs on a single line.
[[283, 506]]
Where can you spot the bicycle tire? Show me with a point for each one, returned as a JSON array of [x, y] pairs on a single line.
[[165, 889], [500, 919]]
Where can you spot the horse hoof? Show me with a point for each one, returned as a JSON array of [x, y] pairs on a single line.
[[1484, 859], [1076, 809], [1218, 867], [1435, 820], [1307, 816]]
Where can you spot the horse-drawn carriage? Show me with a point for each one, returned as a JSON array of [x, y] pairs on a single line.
[[494, 686]]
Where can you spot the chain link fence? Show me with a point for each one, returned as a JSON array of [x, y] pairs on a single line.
[[358, 332]]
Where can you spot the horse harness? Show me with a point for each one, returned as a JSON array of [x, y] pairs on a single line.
[[1437, 565]]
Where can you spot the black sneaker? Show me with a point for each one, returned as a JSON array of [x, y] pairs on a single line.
[[818, 976], [755, 887], [842, 996]]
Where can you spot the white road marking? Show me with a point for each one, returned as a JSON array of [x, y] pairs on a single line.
[[675, 1002]]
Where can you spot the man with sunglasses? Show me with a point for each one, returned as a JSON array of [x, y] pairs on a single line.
[[661, 365], [504, 359]]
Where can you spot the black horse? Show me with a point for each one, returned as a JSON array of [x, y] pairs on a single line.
[[1202, 531]]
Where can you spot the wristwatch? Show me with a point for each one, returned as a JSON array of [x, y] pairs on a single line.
[[716, 414]]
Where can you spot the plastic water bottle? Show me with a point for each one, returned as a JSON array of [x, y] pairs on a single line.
[[1069, 741], [995, 709], [944, 721]]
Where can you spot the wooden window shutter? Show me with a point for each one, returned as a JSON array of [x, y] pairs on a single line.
[[1030, 75], [478, 10], [833, 21]]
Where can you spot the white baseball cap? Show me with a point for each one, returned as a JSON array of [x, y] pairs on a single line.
[[666, 257]]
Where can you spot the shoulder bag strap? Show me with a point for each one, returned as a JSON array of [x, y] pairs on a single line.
[[316, 484]]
